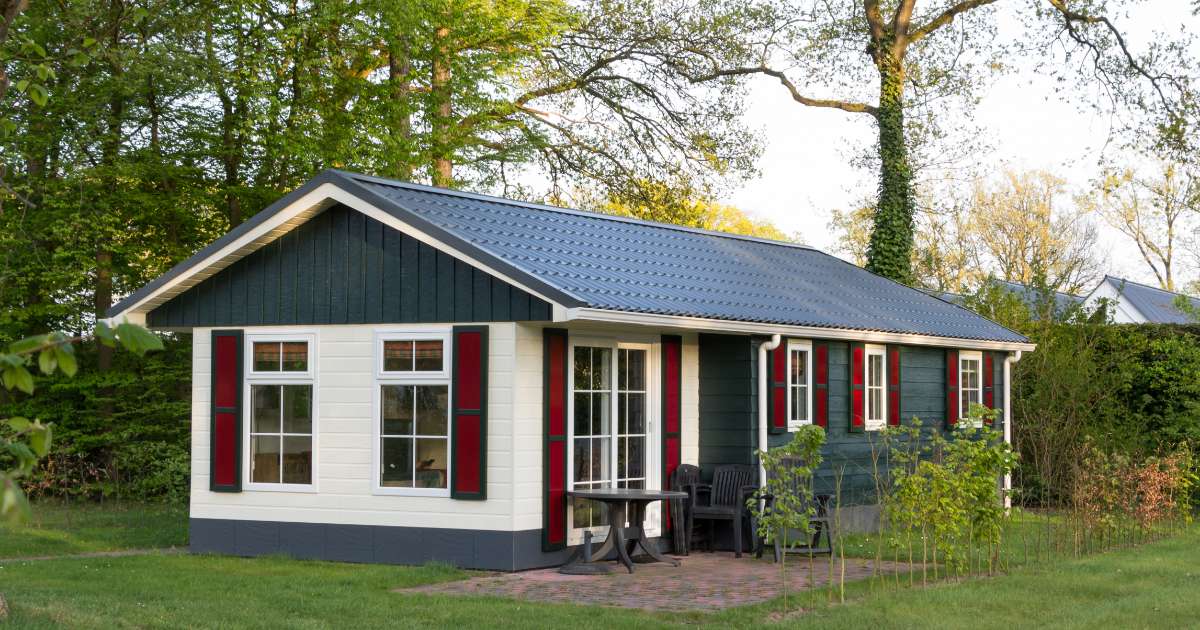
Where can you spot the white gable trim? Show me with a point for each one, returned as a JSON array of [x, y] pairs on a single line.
[[814, 332], [299, 211]]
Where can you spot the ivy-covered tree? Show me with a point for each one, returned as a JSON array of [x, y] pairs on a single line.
[[902, 62]]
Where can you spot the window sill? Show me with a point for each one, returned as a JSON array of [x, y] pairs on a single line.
[[441, 493], [271, 487]]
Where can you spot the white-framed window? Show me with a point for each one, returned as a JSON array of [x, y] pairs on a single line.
[[875, 378], [799, 384], [412, 412], [281, 421], [610, 426], [970, 382]]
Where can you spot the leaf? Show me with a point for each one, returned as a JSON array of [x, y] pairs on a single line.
[[38, 94], [17, 377], [106, 334], [47, 361], [18, 423], [88, 42], [66, 359], [14, 507], [22, 85], [137, 339], [27, 345], [39, 440]]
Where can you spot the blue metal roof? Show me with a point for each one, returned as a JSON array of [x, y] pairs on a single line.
[[622, 264], [1155, 304], [584, 259]]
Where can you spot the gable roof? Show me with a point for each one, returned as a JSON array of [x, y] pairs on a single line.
[[1155, 304], [584, 260], [1031, 296]]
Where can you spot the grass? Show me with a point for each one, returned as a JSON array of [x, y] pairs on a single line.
[[1151, 585], [59, 528]]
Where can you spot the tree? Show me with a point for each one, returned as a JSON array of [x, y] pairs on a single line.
[[920, 55], [1022, 232], [1152, 212], [687, 207]]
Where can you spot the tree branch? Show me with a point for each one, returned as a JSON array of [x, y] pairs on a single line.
[[946, 17], [846, 106]]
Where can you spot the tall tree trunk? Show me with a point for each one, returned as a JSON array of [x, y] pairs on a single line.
[[890, 250], [440, 92], [400, 126], [102, 301]]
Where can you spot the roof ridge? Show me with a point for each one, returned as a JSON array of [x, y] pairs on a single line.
[[396, 183], [1151, 287], [1033, 288]]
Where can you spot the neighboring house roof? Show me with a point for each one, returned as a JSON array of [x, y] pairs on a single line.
[[588, 260], [1031, 296], [1157, 306]]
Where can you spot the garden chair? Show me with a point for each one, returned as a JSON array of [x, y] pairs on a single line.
[[820, 524], [683, 479], [725, 500]]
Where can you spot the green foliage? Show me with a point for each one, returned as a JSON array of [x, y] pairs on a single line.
[[891, 248], [946, 491], [23, 441]]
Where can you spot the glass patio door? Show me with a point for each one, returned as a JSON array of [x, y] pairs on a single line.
[[611, 437]]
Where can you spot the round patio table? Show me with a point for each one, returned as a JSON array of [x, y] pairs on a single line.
[[627, 539]]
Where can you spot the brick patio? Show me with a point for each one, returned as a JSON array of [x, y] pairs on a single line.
[[704, 582]]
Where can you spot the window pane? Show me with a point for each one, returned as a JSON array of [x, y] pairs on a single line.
[[265, 417], [397, 356], [601, 413], [637, 370], [297, 459], [396, 463], [264, 459], [636, 467], [295, 356], [875, 370], [799, 367], [583, 459], [601, 368], [876, 412], [583, 414], [622, 413], [297, 408], [583, 368], [637, 413], [266, 356], [601, 459], [431, 463], [800, 402], [428, 354], [432, 407], [397, 409]]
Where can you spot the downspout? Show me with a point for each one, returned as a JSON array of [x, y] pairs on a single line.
[[1009, 361], [763, 348]]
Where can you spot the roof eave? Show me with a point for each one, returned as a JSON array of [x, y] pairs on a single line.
[[819, 332]]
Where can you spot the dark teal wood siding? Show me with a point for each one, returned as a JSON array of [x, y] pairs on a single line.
[[728, 427], [343, 267], [728, 411]]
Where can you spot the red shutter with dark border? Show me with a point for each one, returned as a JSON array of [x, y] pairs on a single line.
[[468, 435], [225, 433], [951, 388], [893, 387], [821, 381], [857, 401], [672, 413], [777, 379], [554, 455], [989, 383]]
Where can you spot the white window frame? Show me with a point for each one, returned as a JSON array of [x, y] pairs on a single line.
[[383, 377], [252, 377], [653, 481], [869, 423], [794, 424], [976, 357]]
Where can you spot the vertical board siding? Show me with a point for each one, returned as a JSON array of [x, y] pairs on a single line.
[[727, 401], [342, 267]]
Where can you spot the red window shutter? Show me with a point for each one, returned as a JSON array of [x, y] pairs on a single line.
[[951, 388], [554, 455], [821, 383], [777, 381], [858, 411], [225, 431], [672, 413], [893, 386], [468, 435]]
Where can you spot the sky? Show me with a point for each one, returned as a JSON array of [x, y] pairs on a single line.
[[806, 174]]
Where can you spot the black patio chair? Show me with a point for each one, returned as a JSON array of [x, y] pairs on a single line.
[[820, 525], [683, 479], [725, 500]]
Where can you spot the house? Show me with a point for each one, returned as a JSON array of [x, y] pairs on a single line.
[[1131, 302], [388, 372]]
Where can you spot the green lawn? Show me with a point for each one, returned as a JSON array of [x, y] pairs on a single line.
[[61, 528], [1150, 586]]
